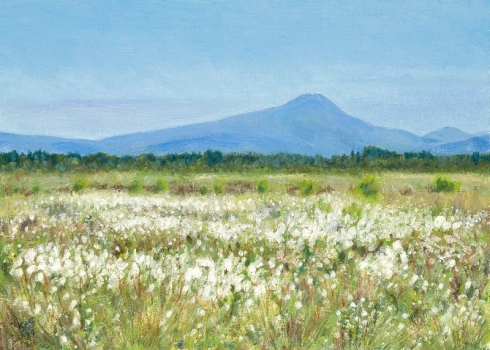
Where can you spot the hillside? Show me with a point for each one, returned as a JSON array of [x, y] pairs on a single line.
[[311, 124]]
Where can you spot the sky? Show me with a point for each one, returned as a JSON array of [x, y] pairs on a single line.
[[91, 69]]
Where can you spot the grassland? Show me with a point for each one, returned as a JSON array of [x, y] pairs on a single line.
[[144, 260]]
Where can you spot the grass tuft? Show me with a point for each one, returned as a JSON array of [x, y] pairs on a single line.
[[263, 186], [80, 184], [136, 186], [444, 184], [307, 187], [369, 187]]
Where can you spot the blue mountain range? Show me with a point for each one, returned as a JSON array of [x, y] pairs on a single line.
[[311, 124]]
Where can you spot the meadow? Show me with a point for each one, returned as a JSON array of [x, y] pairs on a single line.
[[144, 260]]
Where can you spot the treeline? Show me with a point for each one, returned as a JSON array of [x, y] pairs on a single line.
[[371, 158]]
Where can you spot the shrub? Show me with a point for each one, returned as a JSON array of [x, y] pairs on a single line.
[[136, 186], [263, 186], [354, 211], [203, 190], [443, 184], [324, 207], [161, 185], [36, 188], [369, 187], [307, 187], [219, 186], [80, 184]]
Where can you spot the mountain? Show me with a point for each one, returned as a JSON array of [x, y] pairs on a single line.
[[446, 135], [310, 124], [472, 144], [25, 143]]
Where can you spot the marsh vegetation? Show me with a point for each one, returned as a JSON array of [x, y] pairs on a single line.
[[145, 260]]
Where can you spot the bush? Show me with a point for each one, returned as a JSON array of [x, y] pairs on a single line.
[[263, 186], [307, 187], [161, 185], [369, 187], [354, 211], [36, 188], [136, 186], [324, 207], [443, 184], [219, 186], [203, 190], [80, 184]]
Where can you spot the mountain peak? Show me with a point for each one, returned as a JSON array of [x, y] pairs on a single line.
[[317, 97], [316, 101], [447, 134]]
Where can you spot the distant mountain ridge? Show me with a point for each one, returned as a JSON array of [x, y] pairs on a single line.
[[446, 135], [25, 143], [310, 124], [472, 144]]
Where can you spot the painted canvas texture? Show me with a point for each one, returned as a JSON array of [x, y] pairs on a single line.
[[244, 174]]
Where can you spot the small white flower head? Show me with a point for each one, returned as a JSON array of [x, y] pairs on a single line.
[[401, 326], [201, 312], [40, 277], [413, 280], [439, 221], [298, 305], [249, 303], [76, 321]]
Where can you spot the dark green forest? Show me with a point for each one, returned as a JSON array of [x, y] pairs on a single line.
[[370, 159]]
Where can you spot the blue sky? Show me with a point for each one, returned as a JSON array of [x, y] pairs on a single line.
[[91, 69]]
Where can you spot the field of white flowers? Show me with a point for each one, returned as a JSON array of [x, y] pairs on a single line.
[[107, 270]]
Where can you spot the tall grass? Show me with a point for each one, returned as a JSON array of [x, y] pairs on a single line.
[[103, 269]]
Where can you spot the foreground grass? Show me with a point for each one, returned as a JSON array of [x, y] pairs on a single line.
[[107, 269]]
